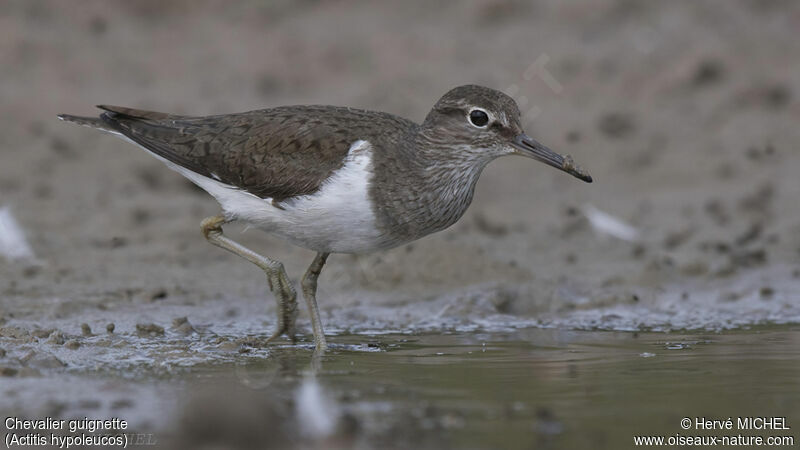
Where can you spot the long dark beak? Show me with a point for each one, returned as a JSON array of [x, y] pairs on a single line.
[[526, 146]]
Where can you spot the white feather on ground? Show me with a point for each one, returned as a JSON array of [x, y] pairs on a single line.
[[607, 224], [13, 244]]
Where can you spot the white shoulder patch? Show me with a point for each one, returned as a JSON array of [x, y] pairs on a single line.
[[339, 217]]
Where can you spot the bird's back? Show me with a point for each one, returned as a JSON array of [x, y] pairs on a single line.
[[276, 153]]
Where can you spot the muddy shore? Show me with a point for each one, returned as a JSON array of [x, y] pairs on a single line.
[[685, 114]]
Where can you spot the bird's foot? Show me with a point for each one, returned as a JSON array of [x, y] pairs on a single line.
[[286, 300]]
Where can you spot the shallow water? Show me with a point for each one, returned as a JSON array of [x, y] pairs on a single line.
[[528, 388], [563, 389], [694, 147]]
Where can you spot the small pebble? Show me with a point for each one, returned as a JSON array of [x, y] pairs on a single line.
[[616, 125], [182, 325], [708, 72], [72, 344], [149, 329], [41, 334], [158, 294], [56, 338]]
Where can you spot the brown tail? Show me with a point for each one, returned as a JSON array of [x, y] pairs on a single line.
[[92, 122], [104, 123], [137, 113]]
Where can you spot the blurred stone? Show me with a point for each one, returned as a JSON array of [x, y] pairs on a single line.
[[616, 125], [708, 72], [149, 330], [182, 325]]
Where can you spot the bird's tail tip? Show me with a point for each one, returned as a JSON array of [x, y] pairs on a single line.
[[92, 122]]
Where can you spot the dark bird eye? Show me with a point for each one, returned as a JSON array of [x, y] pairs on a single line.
[[478, 118]]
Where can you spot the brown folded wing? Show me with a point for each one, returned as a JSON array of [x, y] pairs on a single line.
[[277, 153]]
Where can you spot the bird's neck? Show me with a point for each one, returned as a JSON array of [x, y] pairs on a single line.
[[448, 188], [450, 171], [431, 187]]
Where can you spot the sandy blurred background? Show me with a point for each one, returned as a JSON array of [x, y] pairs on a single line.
[[686, 113]]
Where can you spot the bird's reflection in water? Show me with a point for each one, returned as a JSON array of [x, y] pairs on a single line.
[[288, 370], [274, 399]]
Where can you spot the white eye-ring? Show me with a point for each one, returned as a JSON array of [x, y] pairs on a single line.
[[478, 117]]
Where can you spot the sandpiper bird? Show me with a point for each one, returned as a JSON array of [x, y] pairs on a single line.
[[333, 179]]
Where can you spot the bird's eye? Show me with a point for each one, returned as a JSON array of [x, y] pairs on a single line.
[[479, 118]]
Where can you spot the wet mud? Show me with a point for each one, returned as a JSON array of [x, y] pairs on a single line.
[[673, 275]]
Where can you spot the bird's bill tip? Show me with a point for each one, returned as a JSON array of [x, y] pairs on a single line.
[[526, 146]]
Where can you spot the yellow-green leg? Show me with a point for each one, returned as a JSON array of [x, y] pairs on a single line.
[[279, 283], [309, 284]]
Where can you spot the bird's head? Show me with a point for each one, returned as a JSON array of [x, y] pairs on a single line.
[[479, 124]]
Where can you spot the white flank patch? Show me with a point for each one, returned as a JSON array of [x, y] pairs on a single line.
[[316, 413], [605, 223], [338, 218], [13, 244]]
